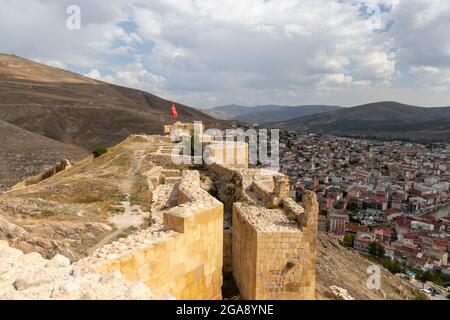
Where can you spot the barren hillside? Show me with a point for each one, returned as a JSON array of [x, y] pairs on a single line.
[[70, 109], [24, 153], [347, 269], [387, 119], [71, 212]]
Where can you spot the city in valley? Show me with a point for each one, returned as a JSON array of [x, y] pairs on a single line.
[[387, 199]]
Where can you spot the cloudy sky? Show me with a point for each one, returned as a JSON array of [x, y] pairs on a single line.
[[207, 52]]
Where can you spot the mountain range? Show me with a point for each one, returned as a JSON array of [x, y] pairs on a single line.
[[389, 120], [267, 113]]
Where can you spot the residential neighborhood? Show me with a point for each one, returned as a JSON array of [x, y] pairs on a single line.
[[389, 193]]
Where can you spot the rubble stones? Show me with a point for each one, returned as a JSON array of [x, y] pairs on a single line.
[[24, 277], [341, 293]]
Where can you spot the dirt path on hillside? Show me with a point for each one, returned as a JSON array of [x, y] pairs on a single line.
[[133, 215], [129, 182]]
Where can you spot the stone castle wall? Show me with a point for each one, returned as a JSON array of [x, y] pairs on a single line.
[[233, 153], [271, 246], [273, 256], [185, 259]]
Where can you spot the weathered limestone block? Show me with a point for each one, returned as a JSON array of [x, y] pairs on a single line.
[[233, 154], [4, 243], [292, 209], [10, 253], [154, 177], [32, 258], [37, 276], [282, 186], [311, 209], [274, 256]]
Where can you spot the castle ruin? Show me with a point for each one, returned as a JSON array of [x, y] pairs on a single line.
[[248, 227]]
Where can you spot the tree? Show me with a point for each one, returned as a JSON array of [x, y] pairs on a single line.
[[349, 240], [99, 151], [431, 276], [352, 206], [376, 250]]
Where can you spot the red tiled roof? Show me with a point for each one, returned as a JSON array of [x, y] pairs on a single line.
[[410, 236], [362, 239], [403, 222]]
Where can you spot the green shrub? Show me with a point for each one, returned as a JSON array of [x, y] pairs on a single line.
[[115, 210], [48, 213], [99, 151], [420, 296], [349, 239], [376, 250]]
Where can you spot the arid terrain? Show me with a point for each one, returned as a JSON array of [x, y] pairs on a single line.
[[347, 269], [74, 210], [57, 114]]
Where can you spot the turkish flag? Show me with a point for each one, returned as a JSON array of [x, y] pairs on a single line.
[[174, 112]]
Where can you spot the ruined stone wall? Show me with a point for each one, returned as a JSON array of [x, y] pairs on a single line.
[[31, 277], [185, 259], [190, 128], [244, 255], [234, 154], [63, 165], [274, 256]]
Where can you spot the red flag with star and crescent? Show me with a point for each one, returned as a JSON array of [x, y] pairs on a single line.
[[174, 112]]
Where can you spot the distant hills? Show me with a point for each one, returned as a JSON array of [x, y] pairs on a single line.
[[267, 113], [390, 120], [46, 110]]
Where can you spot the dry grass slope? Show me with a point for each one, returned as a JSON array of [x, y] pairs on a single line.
[[70, 211], [347, 269], [75, 110]]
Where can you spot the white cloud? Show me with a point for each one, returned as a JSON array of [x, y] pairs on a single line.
[[340, 80], [131, 75], [255, 51], [95, 74], [424, 70]]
